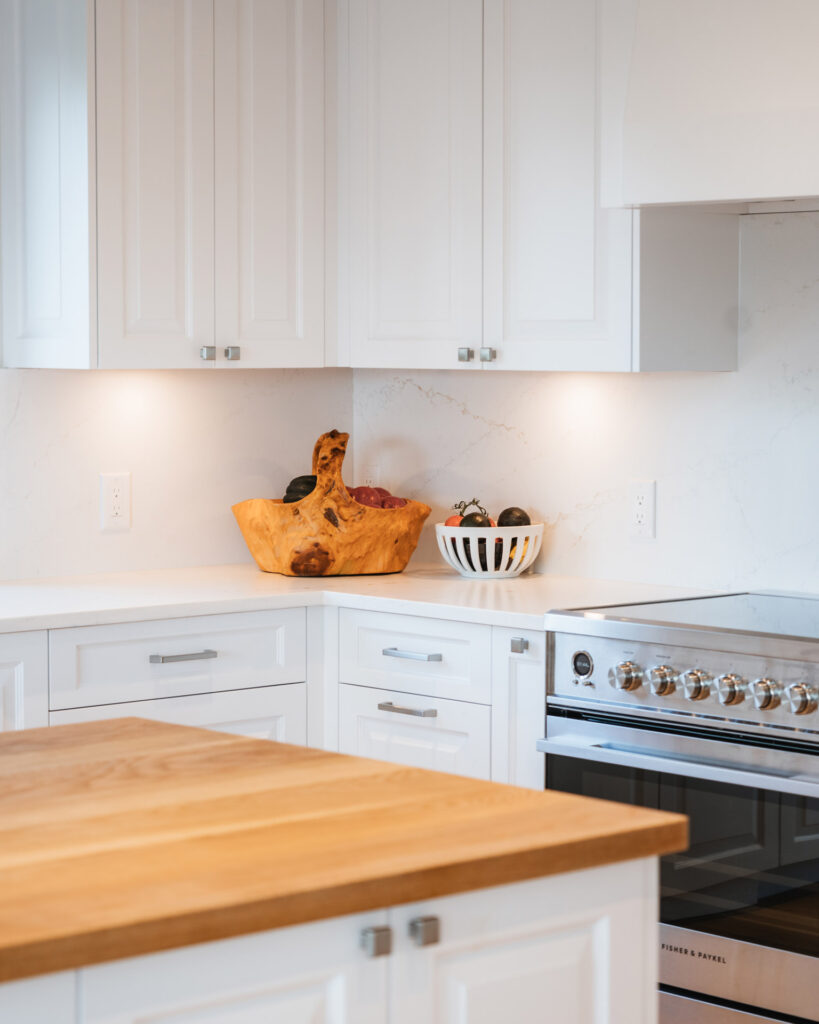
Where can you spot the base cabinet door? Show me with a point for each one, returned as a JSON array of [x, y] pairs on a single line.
[[268, 713], [572, 949], [518, 706], [310, 974], [23, 680], [423, 732]]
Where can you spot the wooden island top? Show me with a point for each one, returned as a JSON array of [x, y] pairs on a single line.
[[125, 837]]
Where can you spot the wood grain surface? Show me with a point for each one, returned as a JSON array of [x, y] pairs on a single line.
[[124, 837]]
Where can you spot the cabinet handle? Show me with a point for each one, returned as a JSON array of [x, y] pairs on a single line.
[[207, 352], [376, 941], [488, 355], [387, 705], [165, 659], [233, 352], [393, 652], [466, 355], [425, 931], [519, 644]]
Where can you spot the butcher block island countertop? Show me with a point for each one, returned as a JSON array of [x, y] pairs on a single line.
[[125, 837]]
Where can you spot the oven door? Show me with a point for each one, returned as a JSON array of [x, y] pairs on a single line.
[[739, 909]]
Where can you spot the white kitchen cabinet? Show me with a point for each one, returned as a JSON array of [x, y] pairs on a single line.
[[51, 998], [410, 169], [518, 706], [710, 101], [165, 160], [562, 282], [423, 732], [266, 713], [575, 948], [23, 680], [140, 661], [309, 974]]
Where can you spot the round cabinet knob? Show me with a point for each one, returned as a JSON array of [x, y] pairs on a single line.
[[766, 694], [731, 689], [663, 680], [627, 676], [801, 698], [696, 684]]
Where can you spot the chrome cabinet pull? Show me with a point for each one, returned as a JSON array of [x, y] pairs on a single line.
[[466, 355], [233, 352], [519, 645], [387, 705], [376, 941], [165, 659], [488, 355], [207, 352], [425, 931], [393, 652]]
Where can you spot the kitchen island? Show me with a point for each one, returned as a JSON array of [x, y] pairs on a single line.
[[152, 871]]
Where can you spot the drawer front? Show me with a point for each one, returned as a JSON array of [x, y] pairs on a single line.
[[416, 655], [269, 713], [423, 732], [206, 654]]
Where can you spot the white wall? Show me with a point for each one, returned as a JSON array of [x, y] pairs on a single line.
[[194, 442], [735, 456]]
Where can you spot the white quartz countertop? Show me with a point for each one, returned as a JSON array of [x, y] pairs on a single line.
[[522, 603]]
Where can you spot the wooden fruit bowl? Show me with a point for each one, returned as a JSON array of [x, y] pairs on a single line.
[[328, 533]]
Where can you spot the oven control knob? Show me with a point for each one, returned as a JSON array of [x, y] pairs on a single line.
[[663, 679], [696, 684], [627, 676], [731, 689], [766, 694], [801, 698]]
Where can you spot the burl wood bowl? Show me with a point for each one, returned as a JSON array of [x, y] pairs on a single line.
[[328, 533]]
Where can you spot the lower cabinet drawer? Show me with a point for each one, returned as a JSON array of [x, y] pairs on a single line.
[[131, 661], [423, 732], [416, 654], [269, 713]]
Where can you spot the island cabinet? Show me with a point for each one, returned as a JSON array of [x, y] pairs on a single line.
[[471, 228], [242, 672], [162, 183], [577, 948]]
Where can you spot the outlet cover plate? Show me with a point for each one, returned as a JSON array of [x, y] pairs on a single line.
[[115, 502]]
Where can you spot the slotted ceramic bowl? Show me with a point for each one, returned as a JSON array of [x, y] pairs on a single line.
[[489, 553]]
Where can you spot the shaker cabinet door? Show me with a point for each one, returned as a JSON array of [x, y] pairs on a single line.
[[155, 182], [269, 109], [410, 252]]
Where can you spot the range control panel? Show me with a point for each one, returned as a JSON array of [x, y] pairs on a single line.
[[711, 684]]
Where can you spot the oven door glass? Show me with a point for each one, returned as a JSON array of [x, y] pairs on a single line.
[[752, 868]]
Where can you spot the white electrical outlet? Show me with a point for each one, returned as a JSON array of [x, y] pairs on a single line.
[[115, 502], [643, 525]]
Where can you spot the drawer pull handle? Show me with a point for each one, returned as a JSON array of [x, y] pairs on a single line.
[[376, 941], [519, 645], [425, 931], [164, 659], [393, 652], [387, 705]]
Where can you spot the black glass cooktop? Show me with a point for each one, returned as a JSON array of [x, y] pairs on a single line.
[[773, 614]]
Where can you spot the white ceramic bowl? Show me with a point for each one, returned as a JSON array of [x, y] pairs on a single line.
[[489, 553]]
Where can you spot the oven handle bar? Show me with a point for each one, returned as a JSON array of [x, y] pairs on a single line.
[[711, 771]]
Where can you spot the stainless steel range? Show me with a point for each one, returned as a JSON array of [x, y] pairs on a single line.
[[708, 707]]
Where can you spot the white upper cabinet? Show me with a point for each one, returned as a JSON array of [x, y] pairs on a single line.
[[411, 167], [208, 150], [46, 219], [557, 267], [714, 101], [155, 181], [270, 181], [471, 232]]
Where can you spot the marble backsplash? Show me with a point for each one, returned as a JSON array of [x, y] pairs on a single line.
[[195, 442], [735, 455]]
